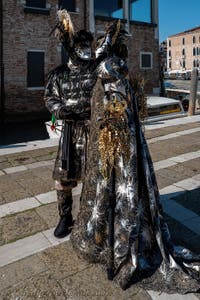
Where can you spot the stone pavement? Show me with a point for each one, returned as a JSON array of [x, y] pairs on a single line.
[[35, 265]]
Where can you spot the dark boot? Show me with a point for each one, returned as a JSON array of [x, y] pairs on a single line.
[[66, 222]]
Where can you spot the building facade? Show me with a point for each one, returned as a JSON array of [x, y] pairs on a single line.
[[183, 50], [28, 53]]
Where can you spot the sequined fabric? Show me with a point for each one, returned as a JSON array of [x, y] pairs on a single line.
[[144, 253]]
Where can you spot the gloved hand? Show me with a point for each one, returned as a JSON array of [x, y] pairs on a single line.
[[68, 114]]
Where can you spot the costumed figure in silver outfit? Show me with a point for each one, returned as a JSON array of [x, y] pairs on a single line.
[[67, 97], [120, 223]]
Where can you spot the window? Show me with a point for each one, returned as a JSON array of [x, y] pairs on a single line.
[[183, 41], [146, 60], [184, 64], [36, 3], [194, 39], [194, 63], [109, 8], [70, 5], [140, 10], [170, 54], [183, 51], [194, 51], [170, 43], [35, 66], [170, 65]]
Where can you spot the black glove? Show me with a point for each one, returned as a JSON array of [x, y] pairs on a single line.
[[65, 114]]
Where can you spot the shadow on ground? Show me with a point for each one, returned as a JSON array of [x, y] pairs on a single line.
[[181, 234], [13, 133]]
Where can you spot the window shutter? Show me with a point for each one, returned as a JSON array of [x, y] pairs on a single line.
[[35, 72]]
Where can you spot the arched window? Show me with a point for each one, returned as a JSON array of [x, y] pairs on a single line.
[[170, 54], [183, 51], [194, 51], [183, 41], [194, 39]]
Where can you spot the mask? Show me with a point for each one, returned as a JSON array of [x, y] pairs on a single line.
[[84, 53]]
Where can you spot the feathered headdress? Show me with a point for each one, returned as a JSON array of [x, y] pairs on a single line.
[[64, 29]]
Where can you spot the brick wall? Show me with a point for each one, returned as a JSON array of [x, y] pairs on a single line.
[[25, 31]]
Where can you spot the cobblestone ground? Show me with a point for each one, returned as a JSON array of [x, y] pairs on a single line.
[[35, 265]]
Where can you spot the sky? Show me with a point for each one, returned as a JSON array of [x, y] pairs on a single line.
[[176, 16]]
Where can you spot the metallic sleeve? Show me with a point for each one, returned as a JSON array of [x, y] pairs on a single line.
[[52, 97]]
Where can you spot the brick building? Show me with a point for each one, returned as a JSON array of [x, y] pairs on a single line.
[[183, 50], [28, 53]]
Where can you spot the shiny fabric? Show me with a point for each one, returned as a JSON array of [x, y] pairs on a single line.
[[70, 88], [143, 252], [67, 96]]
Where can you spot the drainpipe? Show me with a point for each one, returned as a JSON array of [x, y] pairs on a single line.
[[85, 15], [91, 16], [154, 17], [127, 14], [2, 100]]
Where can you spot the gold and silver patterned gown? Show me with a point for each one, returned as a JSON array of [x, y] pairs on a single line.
[[143, 252]]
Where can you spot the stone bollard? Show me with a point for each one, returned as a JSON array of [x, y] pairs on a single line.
[[193, 92]]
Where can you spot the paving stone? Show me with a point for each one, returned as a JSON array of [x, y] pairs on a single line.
[[22, 248], [15, 169], [183, 169], [171, 175], [171, 129], [2, 173], [5, 164], [3, 158], [62, 260], [2, 200], [46, 198], [42, 287], [14, 273], [15, 194], [18, 206], [92, 283], [163, 181], [163, 296], [21, 159], [49, 213], [21, 225]]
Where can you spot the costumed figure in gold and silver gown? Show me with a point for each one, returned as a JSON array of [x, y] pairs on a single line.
[[120, 223]]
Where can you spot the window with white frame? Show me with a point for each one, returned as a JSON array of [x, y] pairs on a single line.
[[36, 3], [35, 68], [146, 61]]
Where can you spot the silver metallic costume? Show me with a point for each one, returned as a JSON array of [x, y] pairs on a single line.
[[119, 168], [67, 97]]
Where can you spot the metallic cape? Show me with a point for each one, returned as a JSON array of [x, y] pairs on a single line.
[[144, 253]]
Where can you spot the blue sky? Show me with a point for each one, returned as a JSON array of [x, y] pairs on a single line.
[[177, 15]]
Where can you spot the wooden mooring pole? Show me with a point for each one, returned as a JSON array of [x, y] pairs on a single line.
[[193, 92]]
